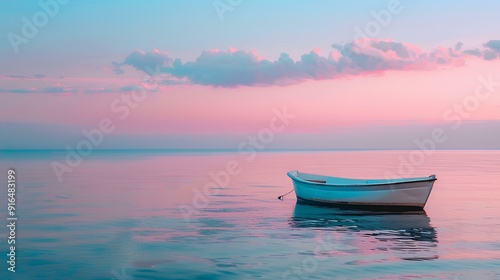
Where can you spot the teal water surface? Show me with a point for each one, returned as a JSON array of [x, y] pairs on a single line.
[[215, 215]]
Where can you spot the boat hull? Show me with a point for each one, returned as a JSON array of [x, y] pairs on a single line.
[[411, 194]]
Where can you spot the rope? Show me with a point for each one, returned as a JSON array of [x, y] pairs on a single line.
[[281, 196]]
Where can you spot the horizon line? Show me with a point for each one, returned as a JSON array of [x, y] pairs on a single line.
[[256, 150]]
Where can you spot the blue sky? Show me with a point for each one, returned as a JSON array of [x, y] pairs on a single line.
[[107, 30]]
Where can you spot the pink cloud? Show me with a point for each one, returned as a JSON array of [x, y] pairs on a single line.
[[144, 61], [234, 68]]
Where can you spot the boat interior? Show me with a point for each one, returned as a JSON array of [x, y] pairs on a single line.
[[320, 179]]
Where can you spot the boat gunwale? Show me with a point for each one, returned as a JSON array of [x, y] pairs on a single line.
[[409, 180]]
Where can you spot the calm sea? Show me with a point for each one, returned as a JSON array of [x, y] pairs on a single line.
[[160, 215]]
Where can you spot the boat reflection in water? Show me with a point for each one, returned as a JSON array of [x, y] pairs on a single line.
[[388, 235]]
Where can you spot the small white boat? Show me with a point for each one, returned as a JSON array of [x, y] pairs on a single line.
[[402, 193]]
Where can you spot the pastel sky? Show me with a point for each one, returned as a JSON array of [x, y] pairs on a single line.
[[210, 74]]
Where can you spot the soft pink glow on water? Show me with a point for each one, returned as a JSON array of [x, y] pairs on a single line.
[[161, 199]]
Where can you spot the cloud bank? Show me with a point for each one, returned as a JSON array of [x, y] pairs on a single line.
[[234, 68], [144, 61], [491, 50], [59, 89]]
